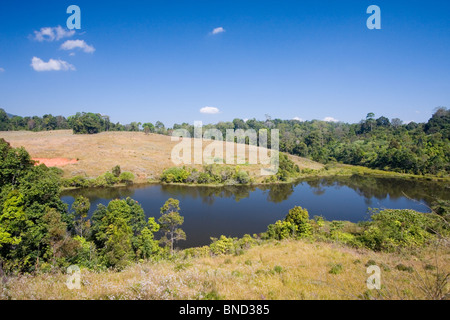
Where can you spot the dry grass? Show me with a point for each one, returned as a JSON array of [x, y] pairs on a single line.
[[144, 155], [288, 270]]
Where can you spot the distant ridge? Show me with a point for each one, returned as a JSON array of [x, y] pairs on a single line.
[[9, 115]]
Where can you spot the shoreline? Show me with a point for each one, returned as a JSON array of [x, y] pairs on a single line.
[[341, 170]]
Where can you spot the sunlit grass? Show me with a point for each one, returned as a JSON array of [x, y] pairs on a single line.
[[275, 270]]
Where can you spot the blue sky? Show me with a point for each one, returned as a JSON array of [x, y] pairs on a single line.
[[160, 60]]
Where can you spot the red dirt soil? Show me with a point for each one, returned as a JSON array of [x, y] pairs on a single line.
[[54, 162]]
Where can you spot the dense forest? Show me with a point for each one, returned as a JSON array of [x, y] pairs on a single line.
[[378, 143]]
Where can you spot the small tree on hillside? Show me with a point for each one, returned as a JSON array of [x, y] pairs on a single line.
[[170, 222], [300, 217], [81, 207]]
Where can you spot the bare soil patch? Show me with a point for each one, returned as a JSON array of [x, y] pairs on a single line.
[[54, 162]]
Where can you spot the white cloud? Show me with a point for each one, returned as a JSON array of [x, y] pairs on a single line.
[[330, 119], [2, 70], [51, 65], [209, 110], [218, 30], [52, 34], [298, 119], [72, 44]]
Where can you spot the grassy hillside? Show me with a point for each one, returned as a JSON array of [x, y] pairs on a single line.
[[146, 156], [290, 269]]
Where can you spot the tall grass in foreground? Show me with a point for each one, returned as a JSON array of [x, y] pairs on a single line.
[[289, 269]]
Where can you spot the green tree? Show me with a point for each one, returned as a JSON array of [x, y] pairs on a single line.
[[300, 218], [60, 244], [121, 232], [170, 221], [81, 207], [146, 245], [14, 163], [148, 127], [12, 219], [87, 123]]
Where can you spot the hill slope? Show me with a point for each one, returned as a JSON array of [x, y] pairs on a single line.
[[144, 155]]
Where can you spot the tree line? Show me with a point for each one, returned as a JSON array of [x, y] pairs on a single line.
[[378, 143]]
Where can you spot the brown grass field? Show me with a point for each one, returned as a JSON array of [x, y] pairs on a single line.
[[146, 156], [286, 270]]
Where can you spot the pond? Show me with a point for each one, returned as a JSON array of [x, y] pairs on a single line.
[[238, 210]]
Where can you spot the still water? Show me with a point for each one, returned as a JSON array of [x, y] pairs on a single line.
[[235, 211]]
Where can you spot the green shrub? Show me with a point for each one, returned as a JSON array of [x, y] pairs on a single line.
[[204, 178], [402, 267], [116, 171], [105, 180], [300, 218], [242, 177], [126, 177], [76, 182], [280, 230], [336, 269], [392, 228], [196, 252], [175, 175], [278, 269], [223, 245]]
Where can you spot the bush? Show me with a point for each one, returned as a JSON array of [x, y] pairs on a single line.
[[280, 230], [223, 245], [126, 177], [336, 269], [175, 174], [300, 218], [105, 180], [76, 182], [86, 253], [204, 178], [116, 171], [393, 228], [242, 177]]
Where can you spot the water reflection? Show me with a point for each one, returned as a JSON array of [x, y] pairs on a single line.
[[237, 210], [366, 187]]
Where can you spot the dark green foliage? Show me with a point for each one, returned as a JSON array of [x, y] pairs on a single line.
[[376, 143], [121, 233], [34, 219], [47, 122], [14, 163], [439, 123], [116, 171], [89, 123]]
